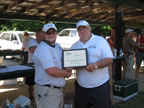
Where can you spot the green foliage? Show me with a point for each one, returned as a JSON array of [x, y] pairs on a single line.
[[35, 25], [4, 28], [62, 26], [101, 29], [21, 25], [96, 29], [26, 26]]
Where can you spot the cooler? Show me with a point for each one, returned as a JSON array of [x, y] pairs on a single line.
[[125, 89]]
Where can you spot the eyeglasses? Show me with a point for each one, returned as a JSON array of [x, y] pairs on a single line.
[[49, 33], [83, 28]]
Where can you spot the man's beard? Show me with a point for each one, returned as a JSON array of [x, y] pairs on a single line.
[[49, 42]]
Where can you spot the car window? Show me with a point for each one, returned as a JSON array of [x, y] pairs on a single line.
[[64, 33], [73, 33], [5, 36], [20, 36], [13, 37]]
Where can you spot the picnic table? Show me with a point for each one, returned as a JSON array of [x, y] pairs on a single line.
[[11, 52], [16, 71]]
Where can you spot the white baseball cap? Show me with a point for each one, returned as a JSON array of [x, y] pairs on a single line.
[[47, 26], [82, 23], [128, 30]]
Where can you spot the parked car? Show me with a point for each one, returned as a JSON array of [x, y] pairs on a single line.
[[67, 37], [12, 40]]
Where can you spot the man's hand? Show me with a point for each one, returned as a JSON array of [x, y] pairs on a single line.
[[90, 67], [69, 69], [68, 74]]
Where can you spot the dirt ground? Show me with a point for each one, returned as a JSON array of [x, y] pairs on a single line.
[[14, 91]]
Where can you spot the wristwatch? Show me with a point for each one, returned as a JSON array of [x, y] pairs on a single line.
[[95, 66]]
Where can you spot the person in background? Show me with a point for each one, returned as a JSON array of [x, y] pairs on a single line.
[[49, 75], [25, 43], [92, 85], [112, 38], [140, 53], [104, 35], [33, 43], [112, 43], [135, 38], [128, 47]]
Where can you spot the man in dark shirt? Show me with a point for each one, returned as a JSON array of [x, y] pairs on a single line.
[[128, 47]]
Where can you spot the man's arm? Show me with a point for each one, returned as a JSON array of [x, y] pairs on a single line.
[[56, 72], [105, 62], [32, 48], [23, 48], [101, 64]]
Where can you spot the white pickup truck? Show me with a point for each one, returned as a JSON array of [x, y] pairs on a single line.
[[12, 40], [67, 37]]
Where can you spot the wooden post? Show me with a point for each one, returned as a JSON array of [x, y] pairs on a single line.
[[119, 34]]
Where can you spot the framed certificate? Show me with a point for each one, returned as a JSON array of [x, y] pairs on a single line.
[[75, 58]]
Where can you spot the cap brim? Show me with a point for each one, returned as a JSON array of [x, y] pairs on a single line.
[[82, 25], [52, 28]]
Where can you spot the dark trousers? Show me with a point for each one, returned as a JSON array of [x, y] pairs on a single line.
[[25, 58], [98, 97], [29, 79]]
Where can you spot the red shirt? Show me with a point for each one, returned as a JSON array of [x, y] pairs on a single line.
[[111, 42], [141, 42]]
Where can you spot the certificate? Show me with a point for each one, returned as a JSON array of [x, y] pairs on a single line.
[[75, 58]]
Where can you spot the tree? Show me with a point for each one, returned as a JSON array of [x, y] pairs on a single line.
[[21, 25], [35, 25]]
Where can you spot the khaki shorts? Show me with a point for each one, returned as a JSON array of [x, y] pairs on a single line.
[[48, 97]]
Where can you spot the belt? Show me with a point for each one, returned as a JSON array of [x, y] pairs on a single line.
[[129, 53], [51, 86]]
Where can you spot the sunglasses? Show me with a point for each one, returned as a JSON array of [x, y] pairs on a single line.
[[49, 33]]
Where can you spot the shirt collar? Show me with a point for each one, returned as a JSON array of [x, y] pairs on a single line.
[[91, 38], [48, 44]]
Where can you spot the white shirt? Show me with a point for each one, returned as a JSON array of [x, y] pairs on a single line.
[[25, 43], [46, 57], [98, 49], [32, 42]]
